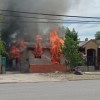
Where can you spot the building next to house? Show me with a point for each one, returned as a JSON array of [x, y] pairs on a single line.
[[91, 49]]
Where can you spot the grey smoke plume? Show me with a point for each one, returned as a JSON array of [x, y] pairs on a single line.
[[27, 30]]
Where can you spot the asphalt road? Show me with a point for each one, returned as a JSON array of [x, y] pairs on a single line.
[[69, 90]]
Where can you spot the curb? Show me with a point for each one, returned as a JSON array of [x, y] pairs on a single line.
[[49, 81], [82, 79], [27, 82]]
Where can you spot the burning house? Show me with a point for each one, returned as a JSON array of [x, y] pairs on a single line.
[[40, 50], [47, 57], [37, 56]]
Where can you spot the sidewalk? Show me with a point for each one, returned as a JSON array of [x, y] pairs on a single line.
[[24, 78], [16, 77], [73, 77], [93, 73]]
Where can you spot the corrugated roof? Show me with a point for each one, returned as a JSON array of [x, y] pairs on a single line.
[[44, 45], [48, 45], [97, 41], [81, 43]]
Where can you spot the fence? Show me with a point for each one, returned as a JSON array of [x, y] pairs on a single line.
[[92, 61], [2, 64]]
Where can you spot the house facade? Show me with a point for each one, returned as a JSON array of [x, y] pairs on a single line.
[[91, 49], [44, 64]]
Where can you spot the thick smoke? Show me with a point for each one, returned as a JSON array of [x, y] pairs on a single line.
[[28, 30]]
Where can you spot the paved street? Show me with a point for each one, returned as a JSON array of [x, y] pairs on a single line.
[[68, 90]]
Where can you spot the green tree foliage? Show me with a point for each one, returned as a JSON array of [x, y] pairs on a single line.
[[97, 35], [71, 49], [3, 51]]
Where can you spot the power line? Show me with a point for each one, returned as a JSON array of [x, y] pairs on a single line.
[[31, 17], [79, 22], [72, 21], [61, 21], [48, 14]]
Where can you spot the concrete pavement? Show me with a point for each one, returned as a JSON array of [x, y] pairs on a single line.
[[16, 77], [20, 78], [93, 73]]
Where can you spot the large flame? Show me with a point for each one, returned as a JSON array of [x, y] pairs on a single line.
[[56, 43], [38, 47], [17, 48]]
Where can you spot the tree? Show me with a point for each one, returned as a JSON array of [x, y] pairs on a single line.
[[3, 51], [70, 49], [97, 35]]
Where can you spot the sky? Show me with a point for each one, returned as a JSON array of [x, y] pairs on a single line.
[[85, 8]]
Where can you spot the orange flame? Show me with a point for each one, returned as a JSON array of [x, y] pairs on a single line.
[[56, 43]]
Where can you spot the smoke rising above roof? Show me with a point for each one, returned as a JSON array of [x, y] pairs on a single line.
[[27, 30]]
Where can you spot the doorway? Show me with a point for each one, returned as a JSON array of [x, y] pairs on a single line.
[[91, 57]]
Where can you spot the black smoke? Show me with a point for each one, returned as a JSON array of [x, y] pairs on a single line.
[[14, 25]]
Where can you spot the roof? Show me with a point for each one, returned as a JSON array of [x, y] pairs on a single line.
[[44, 45], [82, 43], [48, 45], [97, 42]]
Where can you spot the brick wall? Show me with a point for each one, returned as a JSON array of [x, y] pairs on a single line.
[[47, 68]]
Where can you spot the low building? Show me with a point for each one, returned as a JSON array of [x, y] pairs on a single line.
[[91, 49], [44, 63]]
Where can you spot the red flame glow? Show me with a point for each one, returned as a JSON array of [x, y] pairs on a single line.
[[15, 52], [38, 47]]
